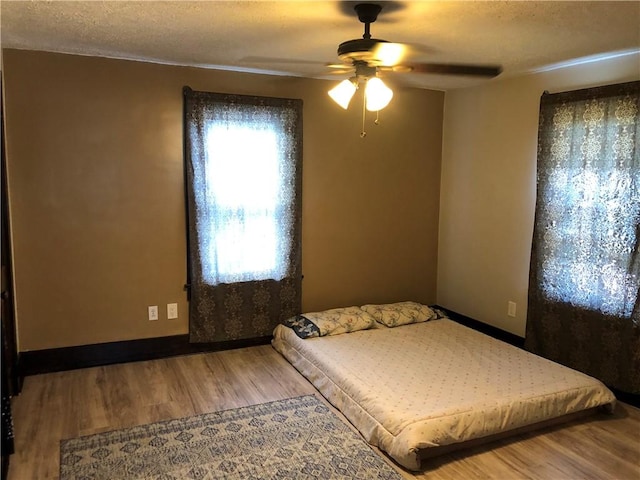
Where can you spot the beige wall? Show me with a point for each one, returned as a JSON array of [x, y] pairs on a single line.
[[94, 150], [488, 186]]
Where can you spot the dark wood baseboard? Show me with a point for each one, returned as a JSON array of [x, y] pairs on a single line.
[[630, 398], [83, 356], [485, 328]]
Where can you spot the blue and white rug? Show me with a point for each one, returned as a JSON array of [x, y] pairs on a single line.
[[296, 438]]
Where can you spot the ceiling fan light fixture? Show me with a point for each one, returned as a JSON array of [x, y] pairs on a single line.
[[343, 92], [377, 94]]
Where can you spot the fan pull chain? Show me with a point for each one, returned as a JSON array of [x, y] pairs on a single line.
[[377, 120], [364, 114]]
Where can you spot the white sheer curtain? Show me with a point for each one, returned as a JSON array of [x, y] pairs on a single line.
[[248, 193]]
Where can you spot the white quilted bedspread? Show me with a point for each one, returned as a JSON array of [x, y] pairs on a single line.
[[435, 383]]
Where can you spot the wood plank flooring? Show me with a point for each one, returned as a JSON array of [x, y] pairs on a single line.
[[81, 402]]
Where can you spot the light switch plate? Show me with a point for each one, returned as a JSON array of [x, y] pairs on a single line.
[[172, 311]]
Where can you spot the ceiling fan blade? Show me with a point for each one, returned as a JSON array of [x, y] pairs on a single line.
[[389, 54], [343, 71], [456, 69], [280, 61]]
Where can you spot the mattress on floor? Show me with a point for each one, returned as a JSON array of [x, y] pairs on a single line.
[[435, 383]]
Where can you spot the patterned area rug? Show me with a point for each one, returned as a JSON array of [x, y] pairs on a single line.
[[297, 438]]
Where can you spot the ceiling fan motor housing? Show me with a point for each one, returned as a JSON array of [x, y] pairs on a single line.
[[359, 49]]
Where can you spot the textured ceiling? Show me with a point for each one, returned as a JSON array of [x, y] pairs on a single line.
[[299, 38]]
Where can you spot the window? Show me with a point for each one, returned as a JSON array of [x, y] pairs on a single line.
[[243, 160], [584, 280], [245, 179], [589, 194]]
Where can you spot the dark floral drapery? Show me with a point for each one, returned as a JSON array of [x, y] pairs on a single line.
[[585, 260], [243, 162]]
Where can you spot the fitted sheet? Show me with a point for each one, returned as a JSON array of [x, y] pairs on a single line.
[[435, 383]]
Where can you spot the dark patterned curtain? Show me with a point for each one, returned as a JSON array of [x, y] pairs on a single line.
[[243, 161], [585, 260], [9, 385], [7, 420]]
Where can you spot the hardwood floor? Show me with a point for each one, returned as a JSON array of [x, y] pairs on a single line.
[[63, 405]]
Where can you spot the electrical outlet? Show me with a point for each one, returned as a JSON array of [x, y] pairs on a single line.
[[511, 309], [153, 312], [172, 310]]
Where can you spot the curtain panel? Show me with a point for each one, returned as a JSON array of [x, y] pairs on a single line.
[[228, 301], [583, 303], [7, 441]]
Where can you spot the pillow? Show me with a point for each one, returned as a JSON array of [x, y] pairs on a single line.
[[439, 313], [330, 322], [401, 313], [302, 327]]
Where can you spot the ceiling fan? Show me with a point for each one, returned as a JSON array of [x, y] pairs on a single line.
[[366, 57], [369, 54]]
